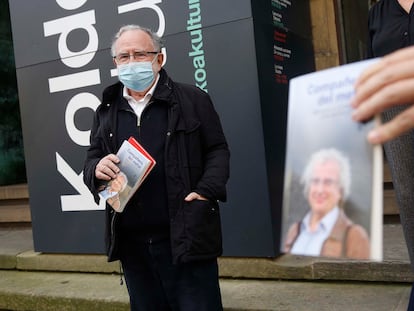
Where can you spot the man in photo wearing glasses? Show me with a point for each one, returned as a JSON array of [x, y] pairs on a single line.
[[168, 237], [326, 230]]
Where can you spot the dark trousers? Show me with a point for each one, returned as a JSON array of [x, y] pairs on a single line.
[[154, 283], [411, 301], [400, 156]]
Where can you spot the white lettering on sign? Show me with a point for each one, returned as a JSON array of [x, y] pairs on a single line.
[[63, 27], [146, 4], [79, 101], [74, 81], [70, 4], [80, 202]]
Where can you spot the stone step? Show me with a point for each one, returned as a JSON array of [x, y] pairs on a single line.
[[37, 281], [16, 253], [44, 291], [14, 204]]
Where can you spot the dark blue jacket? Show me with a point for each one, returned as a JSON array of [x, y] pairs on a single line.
[[196, 159]]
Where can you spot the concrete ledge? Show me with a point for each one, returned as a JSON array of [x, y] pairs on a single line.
[[16, 253], [386, 271], [8, 262], [33, 261], [51, 291], [12, 243], [33, 281], [61, 291], [289, 267], [286, 267], [266, 268]]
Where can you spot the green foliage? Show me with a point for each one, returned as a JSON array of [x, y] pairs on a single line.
[[12, 165]]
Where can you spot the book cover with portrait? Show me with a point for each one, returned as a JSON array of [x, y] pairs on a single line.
[[135, 165], [333, 184]]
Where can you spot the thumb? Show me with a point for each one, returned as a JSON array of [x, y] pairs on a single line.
[[191, 196]]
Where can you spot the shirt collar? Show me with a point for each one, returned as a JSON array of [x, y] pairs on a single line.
[[326, 223]]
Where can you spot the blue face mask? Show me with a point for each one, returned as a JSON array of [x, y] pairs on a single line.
[[136, 76]]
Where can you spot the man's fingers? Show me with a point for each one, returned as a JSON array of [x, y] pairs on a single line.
[[107, 167], [401, 124], [388, 76], [386, 62], [397, 93]]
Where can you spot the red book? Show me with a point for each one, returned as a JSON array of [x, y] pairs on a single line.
[[141, 149]]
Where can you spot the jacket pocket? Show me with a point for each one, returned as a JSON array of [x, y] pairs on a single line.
[[193, 141], [203, 228], [193, 160]]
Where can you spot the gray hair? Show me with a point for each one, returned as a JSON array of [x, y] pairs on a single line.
[[156, 40], [328, 155]]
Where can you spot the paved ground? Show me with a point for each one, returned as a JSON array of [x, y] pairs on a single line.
[[42, 282]]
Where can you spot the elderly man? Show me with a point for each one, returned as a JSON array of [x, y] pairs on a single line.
[[326, 230], [169, 235]]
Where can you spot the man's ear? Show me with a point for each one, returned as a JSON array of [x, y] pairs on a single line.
[[160, 59]]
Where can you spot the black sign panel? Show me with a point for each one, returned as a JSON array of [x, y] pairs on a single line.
[[225, 47]]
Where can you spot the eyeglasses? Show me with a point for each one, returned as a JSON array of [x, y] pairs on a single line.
[[124, 58], [327, 182]]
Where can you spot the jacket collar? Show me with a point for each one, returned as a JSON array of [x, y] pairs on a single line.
[[165, 92], [164, 89]]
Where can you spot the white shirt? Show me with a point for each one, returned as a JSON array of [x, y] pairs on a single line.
[[139, 105], [310, 243]]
